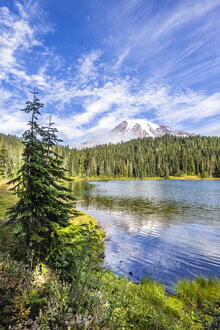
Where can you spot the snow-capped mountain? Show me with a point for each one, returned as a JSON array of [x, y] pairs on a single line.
[[143, 128], [132, 129]]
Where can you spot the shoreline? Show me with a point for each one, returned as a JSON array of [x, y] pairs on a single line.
[[105, 178]]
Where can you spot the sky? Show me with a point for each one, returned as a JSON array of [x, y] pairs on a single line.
[[96, 63]]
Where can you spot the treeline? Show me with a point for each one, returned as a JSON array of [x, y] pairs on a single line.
[[159, 157]]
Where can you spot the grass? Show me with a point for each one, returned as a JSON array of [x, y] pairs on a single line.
[[106, 178], [6, 200], [82, 218], [190, 177], [147, 305]]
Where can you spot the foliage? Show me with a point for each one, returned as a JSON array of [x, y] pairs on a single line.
[[32, 299], [54, 297], [81, 247], [10, 155], [44, 204], [148, 306], [147, 157], [159, 157]]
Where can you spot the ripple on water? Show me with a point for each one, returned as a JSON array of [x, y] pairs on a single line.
[[166, 229]]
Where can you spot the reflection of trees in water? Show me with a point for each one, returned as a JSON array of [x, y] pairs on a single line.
[[81, 188], [141, 210], [136, 214], [136, 206]]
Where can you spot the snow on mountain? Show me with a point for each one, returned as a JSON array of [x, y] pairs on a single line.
[[137, 128], [143, 123], [143, 128], [133, 129]]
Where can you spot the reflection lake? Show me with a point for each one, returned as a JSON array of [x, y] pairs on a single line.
[[163, 229]]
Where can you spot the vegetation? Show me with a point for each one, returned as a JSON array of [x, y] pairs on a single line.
[[167, 156], [160, 157], [10, 155], [41, 299], [53, 296]]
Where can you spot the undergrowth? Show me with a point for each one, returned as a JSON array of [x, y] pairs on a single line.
[[71, 290], [42, 299]]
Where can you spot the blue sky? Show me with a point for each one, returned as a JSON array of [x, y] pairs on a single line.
[[96, 63]]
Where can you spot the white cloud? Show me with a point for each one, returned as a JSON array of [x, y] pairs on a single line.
[[210, 128], [86, 65], [16, 33], [12, 123], [194, 108], [5, 95], [121, 58]]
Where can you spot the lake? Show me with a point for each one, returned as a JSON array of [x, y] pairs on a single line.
[[163, 229]]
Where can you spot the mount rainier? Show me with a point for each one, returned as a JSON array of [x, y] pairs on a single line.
[[144, 128], [133, 129]]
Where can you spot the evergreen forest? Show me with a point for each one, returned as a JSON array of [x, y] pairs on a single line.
[[140, 158]]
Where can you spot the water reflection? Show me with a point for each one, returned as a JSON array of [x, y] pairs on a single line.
[[163, 229]]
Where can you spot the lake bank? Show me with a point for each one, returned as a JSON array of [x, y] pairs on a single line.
[[105, 178]]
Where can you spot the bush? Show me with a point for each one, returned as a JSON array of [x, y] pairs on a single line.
[[99, 299]]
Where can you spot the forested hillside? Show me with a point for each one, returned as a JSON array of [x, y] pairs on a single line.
[[159, 157], [10, 155]]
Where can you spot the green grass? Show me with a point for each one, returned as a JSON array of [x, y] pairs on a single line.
[[6, 200], [196, 304], [190, 177], [105, 178]]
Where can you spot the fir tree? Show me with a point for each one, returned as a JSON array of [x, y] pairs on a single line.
[[44, 204]]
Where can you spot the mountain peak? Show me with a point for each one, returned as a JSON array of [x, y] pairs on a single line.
[[133, 129], [144, 128], [137, 127]]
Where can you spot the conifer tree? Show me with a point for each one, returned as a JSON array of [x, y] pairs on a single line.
[[44, 204]]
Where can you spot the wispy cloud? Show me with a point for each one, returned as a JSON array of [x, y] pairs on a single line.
[[15, 33], [169, 40], [86, 66]]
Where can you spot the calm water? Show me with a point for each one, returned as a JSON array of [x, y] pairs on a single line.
[[167, 230]]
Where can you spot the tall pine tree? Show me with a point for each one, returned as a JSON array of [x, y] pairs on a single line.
[[44, 204]]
